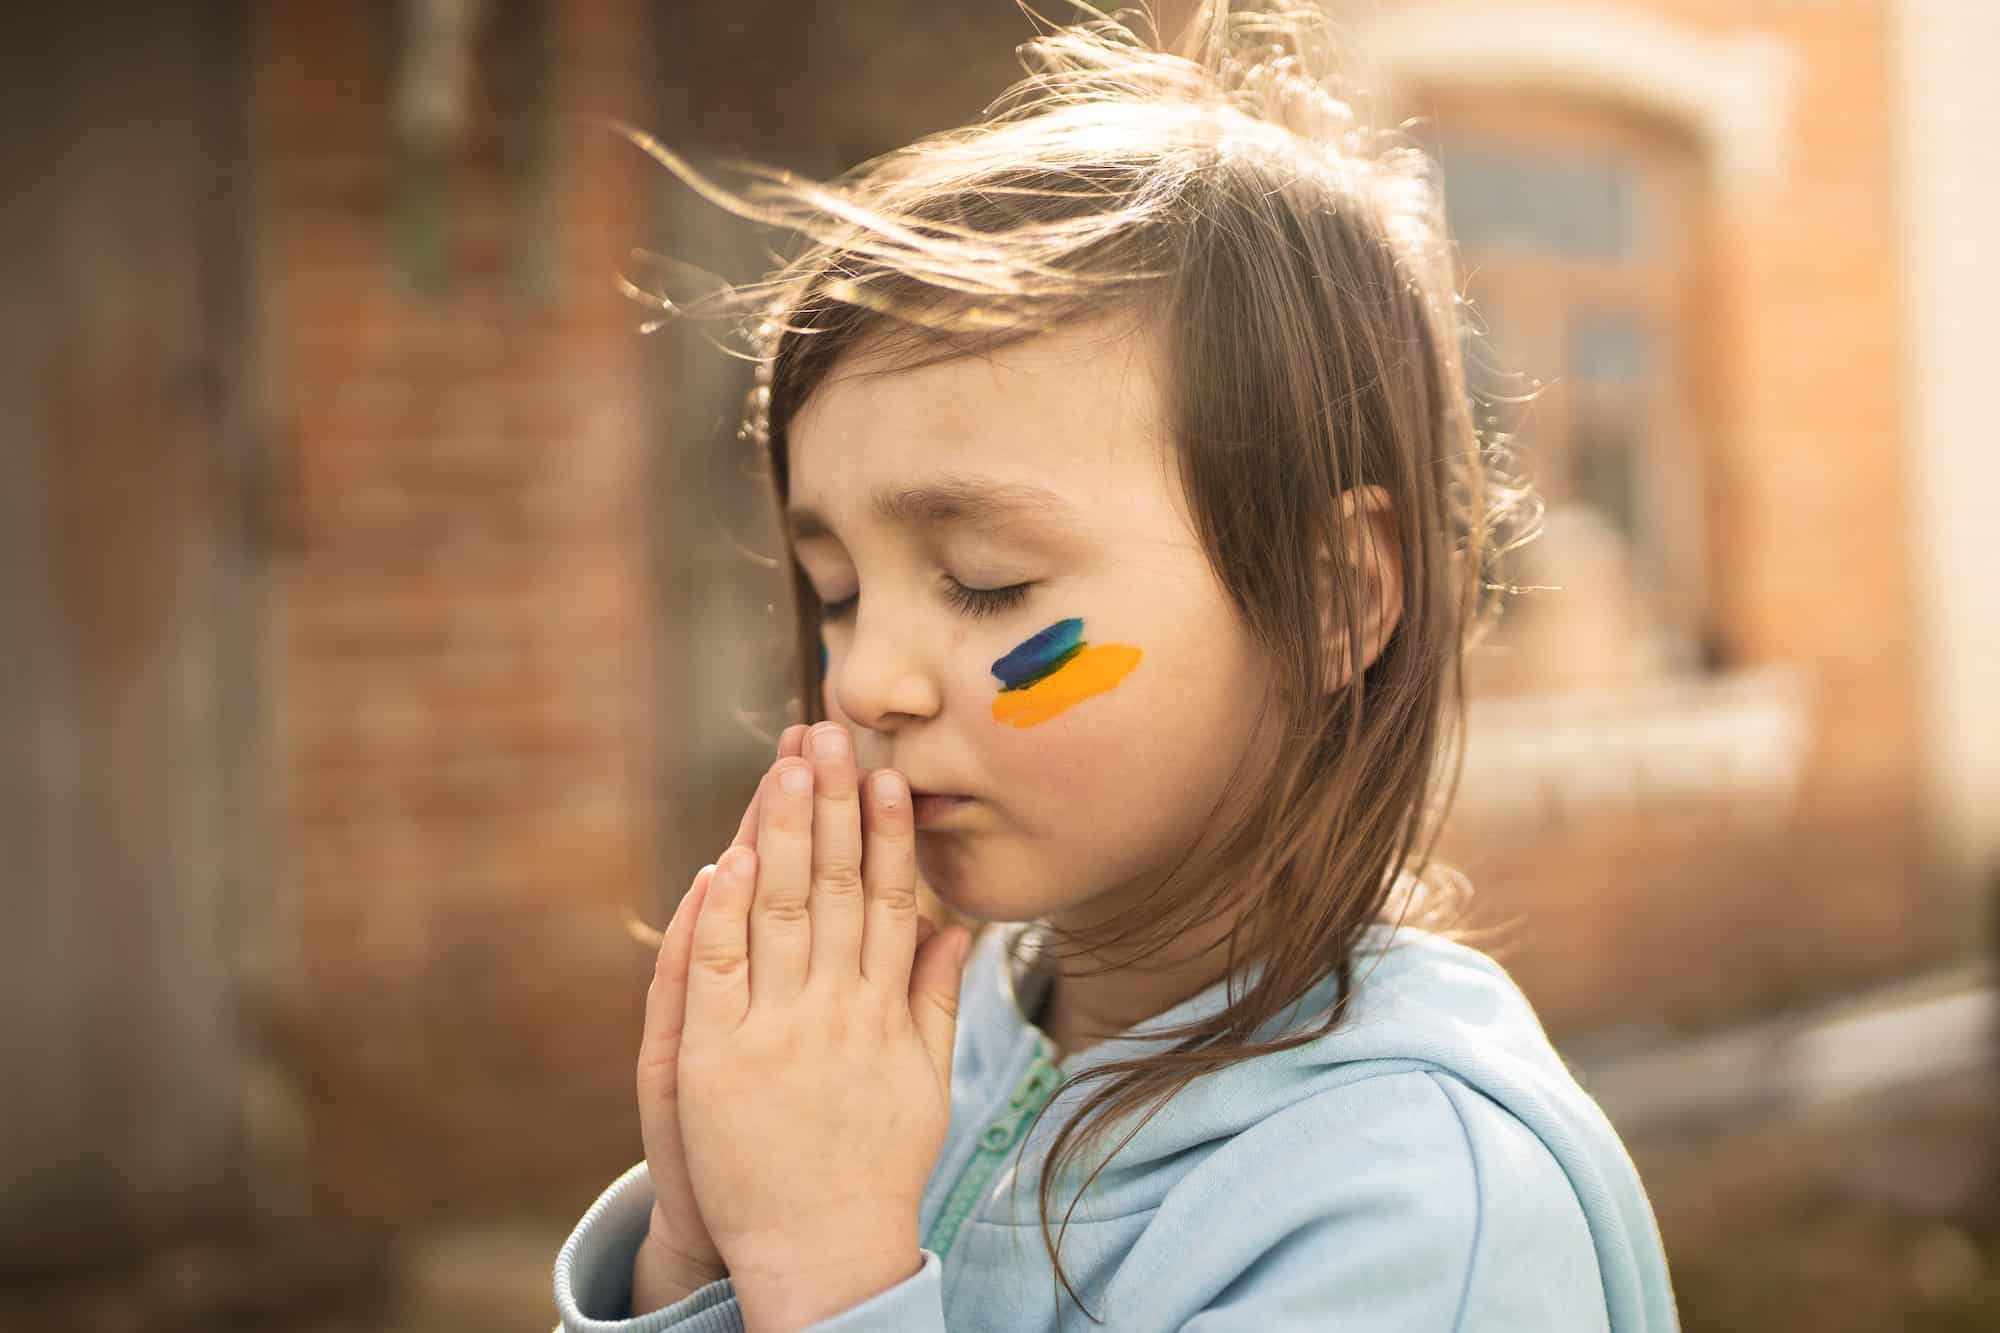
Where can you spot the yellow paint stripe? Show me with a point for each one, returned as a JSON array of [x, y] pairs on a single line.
[[1090, 672]]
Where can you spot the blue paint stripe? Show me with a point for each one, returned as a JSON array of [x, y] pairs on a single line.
[[1035, 658], [1053, 667]]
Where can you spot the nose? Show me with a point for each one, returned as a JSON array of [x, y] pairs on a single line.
[[877, 679]]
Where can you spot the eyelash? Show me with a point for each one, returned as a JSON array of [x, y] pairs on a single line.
[[967, 601]]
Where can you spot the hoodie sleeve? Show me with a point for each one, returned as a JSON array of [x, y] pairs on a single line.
[[593, 1279], [1404, 1202]]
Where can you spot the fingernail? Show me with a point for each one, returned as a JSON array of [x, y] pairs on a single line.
[[708, 870], [796, 781], [829, 743], [888, 789], [680, 908], [736, 863]]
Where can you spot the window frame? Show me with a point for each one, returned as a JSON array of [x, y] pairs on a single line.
[[1672, 289]]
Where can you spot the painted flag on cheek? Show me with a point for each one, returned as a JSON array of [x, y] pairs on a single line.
[[1054, 670]]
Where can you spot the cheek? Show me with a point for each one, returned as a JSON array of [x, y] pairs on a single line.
[[1094, 725], [1045, 712], [1055, 669]]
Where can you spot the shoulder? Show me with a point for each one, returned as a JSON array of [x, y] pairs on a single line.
[[1408, 1139], [1406, 1197]]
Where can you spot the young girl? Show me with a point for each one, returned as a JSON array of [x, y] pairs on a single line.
[[1138, 526]]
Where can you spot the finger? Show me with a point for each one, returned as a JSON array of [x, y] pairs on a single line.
[[780, 920], [746, 828], [936, 984], [836, 904], [889, 868], [718, 976], [790, 741], [666, 997]]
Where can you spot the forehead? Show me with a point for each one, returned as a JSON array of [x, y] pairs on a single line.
[[1078, 410]]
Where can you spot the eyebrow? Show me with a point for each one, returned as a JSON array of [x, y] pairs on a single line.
[[949, 500]]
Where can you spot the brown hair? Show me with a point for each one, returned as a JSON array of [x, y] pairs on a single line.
[[1220, 191]]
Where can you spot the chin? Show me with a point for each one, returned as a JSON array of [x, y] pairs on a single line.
[[958, 883]]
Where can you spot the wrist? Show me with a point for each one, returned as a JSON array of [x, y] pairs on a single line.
[[774, 1300], [663, 1272]]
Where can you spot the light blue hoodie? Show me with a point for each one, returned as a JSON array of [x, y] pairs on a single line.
[[1430, 1166]]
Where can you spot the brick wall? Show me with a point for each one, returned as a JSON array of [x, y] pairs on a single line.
[[1683, 913], [464, 662], [461, 654]]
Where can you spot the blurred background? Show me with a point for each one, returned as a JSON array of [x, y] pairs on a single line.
[[383, 618]]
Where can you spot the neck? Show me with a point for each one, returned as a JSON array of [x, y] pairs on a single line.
[[1081, 1011]]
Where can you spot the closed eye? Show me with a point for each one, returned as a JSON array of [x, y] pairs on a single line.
[[965, 600], [984, 601]]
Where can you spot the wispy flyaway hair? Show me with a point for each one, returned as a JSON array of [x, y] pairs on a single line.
[[1224, 196]]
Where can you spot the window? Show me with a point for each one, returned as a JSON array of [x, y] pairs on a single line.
[[1581, 253]]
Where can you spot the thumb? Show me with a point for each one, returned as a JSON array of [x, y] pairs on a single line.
[[934, 987]]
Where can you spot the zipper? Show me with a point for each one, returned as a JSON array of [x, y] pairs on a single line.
[[1037, 1086]]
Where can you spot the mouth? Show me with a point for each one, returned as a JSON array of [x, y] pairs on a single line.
[[930, 808]]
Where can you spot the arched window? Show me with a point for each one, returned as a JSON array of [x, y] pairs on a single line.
[[1581, 232]]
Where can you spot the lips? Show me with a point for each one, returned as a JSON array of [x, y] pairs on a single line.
[[930, 807]]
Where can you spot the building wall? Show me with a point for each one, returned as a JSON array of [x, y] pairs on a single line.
[[1634, 898], [127, 598], [466, 671], [1947, 113], [461, 667]]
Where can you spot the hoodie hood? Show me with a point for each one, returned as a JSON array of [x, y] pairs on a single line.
[[1432, 1163], [1421, 1002]]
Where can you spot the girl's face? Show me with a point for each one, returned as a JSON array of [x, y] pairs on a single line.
[[1018, 614]]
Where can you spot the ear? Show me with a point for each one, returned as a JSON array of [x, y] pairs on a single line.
[[1374, 555]]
